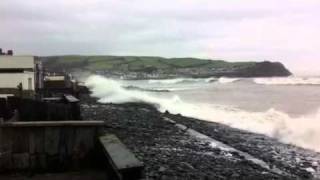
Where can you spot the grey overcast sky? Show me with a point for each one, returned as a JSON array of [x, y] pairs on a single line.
[[236, 30]]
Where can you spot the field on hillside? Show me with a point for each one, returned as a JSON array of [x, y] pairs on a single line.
[[132, 63]]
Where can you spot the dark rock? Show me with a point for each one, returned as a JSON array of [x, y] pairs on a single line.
[[162, 169]]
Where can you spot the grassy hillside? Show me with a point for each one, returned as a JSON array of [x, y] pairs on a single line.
[[132, 63], [146, 67]]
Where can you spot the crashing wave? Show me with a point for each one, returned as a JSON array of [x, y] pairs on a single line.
[[158, 89], [172, 81], [145, 89], [303, 131], [224, 80], [288, 81], [181, 80]]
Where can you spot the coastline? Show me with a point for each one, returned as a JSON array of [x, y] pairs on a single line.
[[170, 153]]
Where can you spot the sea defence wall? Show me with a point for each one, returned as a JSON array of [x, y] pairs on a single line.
[[31, 109], [16, 92], [48, 145], [37, 136], [51, 109]]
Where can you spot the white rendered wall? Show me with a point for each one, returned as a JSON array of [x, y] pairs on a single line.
[[20, 62], [12, 80]]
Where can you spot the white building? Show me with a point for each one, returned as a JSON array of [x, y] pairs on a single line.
[[18, 69]]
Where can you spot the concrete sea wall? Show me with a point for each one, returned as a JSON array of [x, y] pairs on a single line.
[[48, 145]]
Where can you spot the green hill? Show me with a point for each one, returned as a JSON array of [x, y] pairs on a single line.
[[132, 63], [201, 67]]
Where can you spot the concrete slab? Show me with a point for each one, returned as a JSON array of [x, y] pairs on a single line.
[[123, 161]]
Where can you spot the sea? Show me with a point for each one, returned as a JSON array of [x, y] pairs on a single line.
[[285, 108]]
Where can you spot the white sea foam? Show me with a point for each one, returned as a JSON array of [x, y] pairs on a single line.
[[303, 131], [181, 80], [167, 81], [288, 81], [224, 80]]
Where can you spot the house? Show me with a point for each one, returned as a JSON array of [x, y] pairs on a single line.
[[22, 72]]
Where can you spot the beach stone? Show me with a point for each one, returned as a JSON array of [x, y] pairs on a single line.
[[315, 164], [310, 170], [187, 165], [162, 169]]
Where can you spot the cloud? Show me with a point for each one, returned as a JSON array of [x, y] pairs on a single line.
[[284, 30]]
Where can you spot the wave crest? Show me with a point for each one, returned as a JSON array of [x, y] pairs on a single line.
[[180, 80], [288, 81], [222, 80]]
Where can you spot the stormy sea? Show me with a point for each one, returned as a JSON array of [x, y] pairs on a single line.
[[286, 110]]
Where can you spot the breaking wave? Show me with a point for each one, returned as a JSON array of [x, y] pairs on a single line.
[[288, 81], [222, 80], [181, 80], [147, 89], [303, 131], [158, 89]]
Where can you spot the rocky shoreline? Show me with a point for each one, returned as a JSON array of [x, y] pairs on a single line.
[[170, 153], [292, 159]]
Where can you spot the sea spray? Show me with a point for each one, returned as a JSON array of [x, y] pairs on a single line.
[[288, 81], [111, 91], [303, 131]]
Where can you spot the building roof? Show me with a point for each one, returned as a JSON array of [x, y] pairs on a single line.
[[17, 62]]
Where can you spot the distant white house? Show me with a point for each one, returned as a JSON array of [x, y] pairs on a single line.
[[15, 70]]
